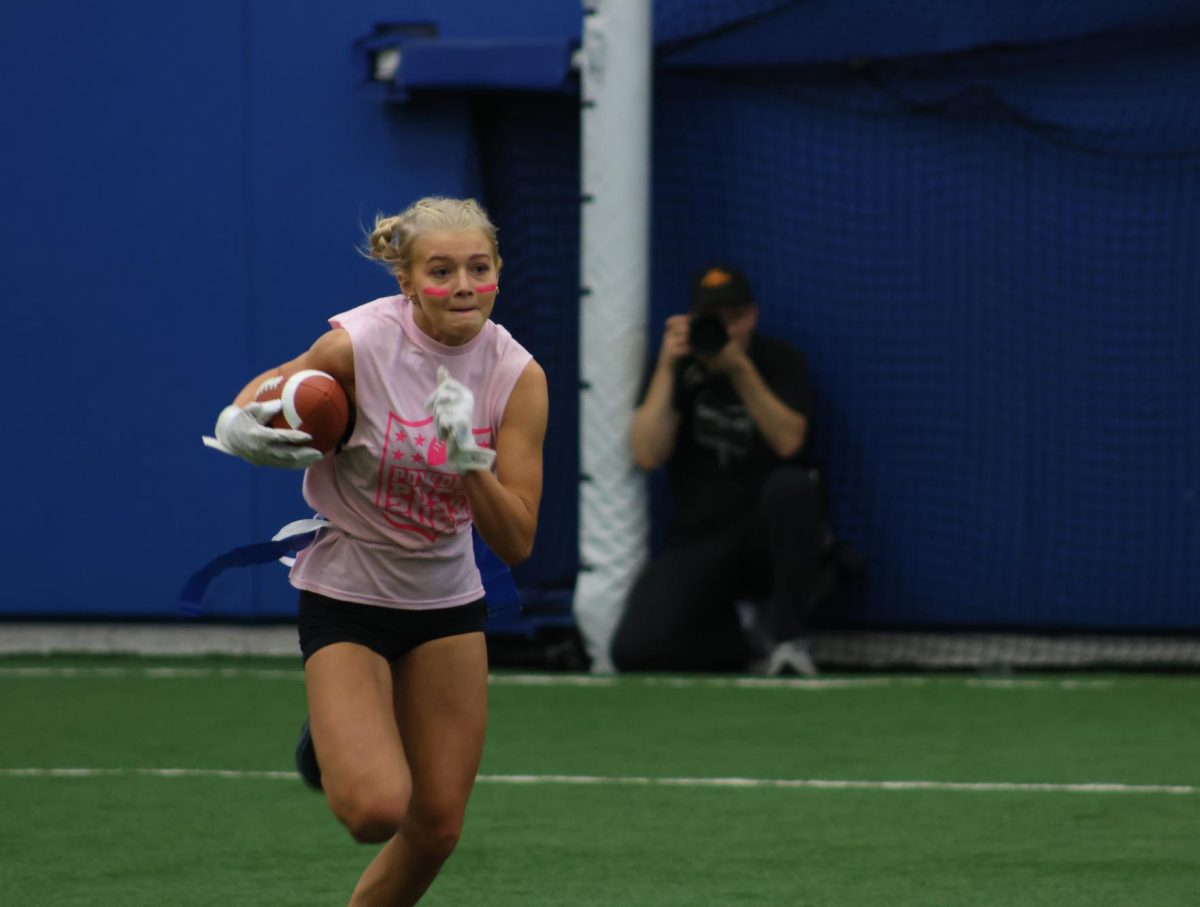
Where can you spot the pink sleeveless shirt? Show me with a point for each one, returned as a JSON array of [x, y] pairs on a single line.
[[400, 533]]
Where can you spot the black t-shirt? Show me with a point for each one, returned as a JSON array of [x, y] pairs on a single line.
[[720, 462]]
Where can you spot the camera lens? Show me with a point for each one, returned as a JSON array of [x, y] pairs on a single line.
[[707, 334]]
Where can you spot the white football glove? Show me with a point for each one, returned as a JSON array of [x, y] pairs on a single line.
[[242, 431], [452, 406], [465, 459]]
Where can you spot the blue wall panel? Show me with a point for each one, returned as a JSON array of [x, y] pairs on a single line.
[[184, 191], [989, 257], [124, 267]]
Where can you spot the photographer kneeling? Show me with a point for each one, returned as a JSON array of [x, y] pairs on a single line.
[[727, 411]]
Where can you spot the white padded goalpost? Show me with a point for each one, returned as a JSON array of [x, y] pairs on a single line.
[[615, 71]]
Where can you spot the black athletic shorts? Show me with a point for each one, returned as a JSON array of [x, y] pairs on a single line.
[[389, 632]]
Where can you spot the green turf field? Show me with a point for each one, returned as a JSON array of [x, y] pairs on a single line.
[[630, 791]]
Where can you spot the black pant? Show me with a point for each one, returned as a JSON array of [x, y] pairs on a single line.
[[680, 615]]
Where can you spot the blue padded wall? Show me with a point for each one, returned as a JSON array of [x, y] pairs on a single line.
[[980, 223], [185, 188]]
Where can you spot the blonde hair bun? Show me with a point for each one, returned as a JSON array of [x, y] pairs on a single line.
[[391, 240]]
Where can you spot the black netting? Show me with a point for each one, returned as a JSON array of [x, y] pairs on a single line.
[[529, 151]]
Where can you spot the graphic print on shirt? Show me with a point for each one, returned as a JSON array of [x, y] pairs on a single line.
[[724, 428], [417, 492]]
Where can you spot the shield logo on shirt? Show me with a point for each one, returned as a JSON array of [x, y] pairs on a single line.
[[436, 453]]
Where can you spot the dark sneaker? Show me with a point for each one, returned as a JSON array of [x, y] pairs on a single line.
[[306, 759]]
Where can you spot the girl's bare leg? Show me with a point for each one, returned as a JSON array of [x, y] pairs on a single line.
[[440, 700]]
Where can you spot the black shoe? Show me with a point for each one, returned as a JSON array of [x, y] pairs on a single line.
[[306, 759]]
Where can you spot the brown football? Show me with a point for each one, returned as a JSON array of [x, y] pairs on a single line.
[[313, 402]]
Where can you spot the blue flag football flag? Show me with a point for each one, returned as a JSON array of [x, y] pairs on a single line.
[[499, 588]]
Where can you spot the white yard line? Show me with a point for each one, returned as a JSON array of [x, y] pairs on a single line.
[[647, 781], [818, 684], [894, 650], [826, 784], [154, 673], [150, 772]]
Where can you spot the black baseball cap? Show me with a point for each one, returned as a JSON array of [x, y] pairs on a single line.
[[719, 286]]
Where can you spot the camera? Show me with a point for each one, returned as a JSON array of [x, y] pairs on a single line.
[[707, 334]]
